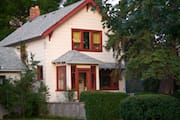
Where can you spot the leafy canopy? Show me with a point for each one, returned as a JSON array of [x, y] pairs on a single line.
[[15, 12], [146, 34]]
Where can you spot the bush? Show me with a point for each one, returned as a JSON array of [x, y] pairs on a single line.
[[26, 96], [177, 95], [102, 105], [150, 107]]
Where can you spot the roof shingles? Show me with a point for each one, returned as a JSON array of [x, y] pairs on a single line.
[[36, 27], [9, 60], [75, 57]]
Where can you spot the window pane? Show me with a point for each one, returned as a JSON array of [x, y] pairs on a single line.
[[61, 77], [96, 38], [76, 37], [86, 40], [106, 80]]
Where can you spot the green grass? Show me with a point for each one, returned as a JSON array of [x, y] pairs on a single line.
[[42, 118]]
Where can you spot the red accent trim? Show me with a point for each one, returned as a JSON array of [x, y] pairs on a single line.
[[39, 72], [91, 49], [50, 35], [87, 7], [88, 80], [56, 78], [65, 18]]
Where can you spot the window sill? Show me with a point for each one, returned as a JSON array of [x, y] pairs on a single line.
[[60, 90], [87, 50]]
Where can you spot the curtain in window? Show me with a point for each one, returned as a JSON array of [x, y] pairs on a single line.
[[61, 75], [76, 37], [96, 38]]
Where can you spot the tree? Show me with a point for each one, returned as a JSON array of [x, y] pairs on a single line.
[[27, 96], [145, 34], [69, 2], [15, 12]]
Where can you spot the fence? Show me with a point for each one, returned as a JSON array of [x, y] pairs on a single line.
[[69, 109]]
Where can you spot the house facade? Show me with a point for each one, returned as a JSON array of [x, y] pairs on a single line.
[[10, 64], [69, 45]]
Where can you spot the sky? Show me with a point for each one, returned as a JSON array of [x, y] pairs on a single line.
[[113, 1]]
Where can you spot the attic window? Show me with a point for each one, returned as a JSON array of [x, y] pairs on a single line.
[[87, 40]]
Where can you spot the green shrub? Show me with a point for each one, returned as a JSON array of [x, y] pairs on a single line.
[[102, 105], [150, 107], [177, 95]]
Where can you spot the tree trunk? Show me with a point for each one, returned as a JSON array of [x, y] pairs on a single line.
[[167, 86]]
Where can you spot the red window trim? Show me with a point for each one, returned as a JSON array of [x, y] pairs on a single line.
[[91, 40], [93, 72], [111, 87], [57, 87]]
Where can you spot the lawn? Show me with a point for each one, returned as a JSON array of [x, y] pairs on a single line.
[[46, 118]]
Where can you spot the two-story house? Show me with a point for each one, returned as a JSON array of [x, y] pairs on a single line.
[[69, 44]]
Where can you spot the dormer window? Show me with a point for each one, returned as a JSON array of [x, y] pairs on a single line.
[[87, 40]]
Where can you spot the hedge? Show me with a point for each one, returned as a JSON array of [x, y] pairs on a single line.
[[150, 107], [102, 105]]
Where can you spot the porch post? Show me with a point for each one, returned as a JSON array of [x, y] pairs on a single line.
[[97, 78]]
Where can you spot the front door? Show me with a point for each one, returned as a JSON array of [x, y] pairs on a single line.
[[83, 80]]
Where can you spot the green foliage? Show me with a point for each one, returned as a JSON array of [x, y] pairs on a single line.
[[17, 11], [151, 85], [7, 90], [177, 95], [43, 118], [69, 94], [147, 32], [69, 2], [27, 96], [102, 105], [150, 107]]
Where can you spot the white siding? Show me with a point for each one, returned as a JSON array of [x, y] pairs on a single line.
[[46, 50]]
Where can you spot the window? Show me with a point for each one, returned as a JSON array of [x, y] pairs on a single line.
[[2, 78], [107, 81], [61, 77], [40, 72], [86, 40]]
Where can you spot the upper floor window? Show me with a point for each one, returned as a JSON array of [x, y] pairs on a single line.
[[86, 40]]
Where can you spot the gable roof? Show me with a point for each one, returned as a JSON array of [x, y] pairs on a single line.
[[45, 24], [75, 57], [9, 60]]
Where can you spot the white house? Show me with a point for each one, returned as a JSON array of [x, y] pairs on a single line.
[[69, 45]]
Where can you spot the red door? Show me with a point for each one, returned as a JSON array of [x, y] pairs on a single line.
[[83, 78]]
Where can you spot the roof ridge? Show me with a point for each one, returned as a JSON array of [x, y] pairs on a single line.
[[59, 9], [43, 25]]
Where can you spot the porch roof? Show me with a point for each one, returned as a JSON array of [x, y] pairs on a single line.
[[107, 66], [75, 57], [111, 66]]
